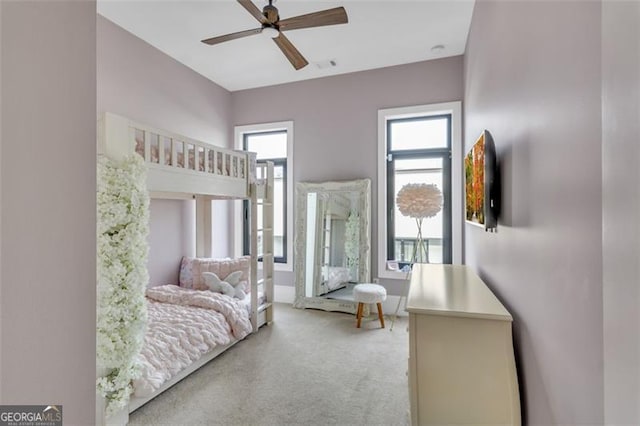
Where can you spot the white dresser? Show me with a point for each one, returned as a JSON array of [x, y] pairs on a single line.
[[461, 364]]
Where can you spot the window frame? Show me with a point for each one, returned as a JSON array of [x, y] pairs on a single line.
[[238, 213], [439, 152], [385, 117]]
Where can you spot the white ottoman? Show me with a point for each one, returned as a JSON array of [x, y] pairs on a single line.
[[369, 293]]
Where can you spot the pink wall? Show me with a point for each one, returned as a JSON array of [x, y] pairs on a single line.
[[171, 236], [621, 210], [339, 114], [335, 119], [48, 223], [532, 78], [138, 81], [1, 201]]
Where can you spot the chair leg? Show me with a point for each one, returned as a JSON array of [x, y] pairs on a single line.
[[380, 316], [359, 314]]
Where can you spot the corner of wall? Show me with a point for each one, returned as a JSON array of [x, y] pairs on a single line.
[[620, 211], [1, 180]]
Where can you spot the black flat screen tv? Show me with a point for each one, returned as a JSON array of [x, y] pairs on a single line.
[[482, 183]]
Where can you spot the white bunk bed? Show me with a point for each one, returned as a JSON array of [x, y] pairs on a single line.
[[182, 168]]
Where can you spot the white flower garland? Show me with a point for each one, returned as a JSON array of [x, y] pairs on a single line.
[[123, 226]]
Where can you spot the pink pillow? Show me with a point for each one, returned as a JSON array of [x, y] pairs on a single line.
[[191, 269]]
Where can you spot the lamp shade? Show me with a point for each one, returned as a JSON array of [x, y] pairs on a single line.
[[419, 200]]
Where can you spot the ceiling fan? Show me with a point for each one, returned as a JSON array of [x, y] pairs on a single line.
[[274, 27]]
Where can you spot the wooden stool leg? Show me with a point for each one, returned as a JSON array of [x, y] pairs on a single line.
[[359, 314], [380, 316]]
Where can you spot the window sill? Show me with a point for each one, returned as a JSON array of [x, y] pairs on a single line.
[[392, 275], [280, 267], [283, 267]]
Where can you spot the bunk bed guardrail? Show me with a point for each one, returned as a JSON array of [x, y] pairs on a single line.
[[167, 154]]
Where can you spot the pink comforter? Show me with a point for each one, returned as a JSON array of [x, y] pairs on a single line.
[[184, 325]]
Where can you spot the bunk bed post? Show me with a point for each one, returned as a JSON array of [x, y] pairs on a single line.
[[203, 226], [114, 139]]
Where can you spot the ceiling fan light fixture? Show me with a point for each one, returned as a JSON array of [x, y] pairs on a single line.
[[270, 32]]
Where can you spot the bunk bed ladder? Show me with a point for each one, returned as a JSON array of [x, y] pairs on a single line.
[[262, 246], [267, 241]]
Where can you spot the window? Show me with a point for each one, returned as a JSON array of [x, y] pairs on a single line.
[[418, 145], [271, 142], [418, 151]]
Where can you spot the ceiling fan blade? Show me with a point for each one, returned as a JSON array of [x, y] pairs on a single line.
[[253, 10], [293, 55], [316, 19], [233, 36]]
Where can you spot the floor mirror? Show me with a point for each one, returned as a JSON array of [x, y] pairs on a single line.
[[332, 243]]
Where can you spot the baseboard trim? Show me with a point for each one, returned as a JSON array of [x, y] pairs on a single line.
[[287, 294], [389, 306], [284, 293]]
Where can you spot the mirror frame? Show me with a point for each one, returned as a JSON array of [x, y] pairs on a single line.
[[363, 187]]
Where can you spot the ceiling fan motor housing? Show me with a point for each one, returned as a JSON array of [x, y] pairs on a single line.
[[271, 14]]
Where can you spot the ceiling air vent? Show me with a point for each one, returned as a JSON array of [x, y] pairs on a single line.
[[329, 63]]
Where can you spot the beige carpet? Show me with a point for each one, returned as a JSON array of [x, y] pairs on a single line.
[[308, 368]]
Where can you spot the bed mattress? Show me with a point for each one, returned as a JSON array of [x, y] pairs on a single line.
[[183, 325]]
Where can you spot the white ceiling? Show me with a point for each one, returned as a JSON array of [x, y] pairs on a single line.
[[379, 34]]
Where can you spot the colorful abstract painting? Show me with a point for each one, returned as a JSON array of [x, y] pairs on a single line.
[[474, 182]]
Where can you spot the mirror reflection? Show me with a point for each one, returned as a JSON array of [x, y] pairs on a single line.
[[332, 238]]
